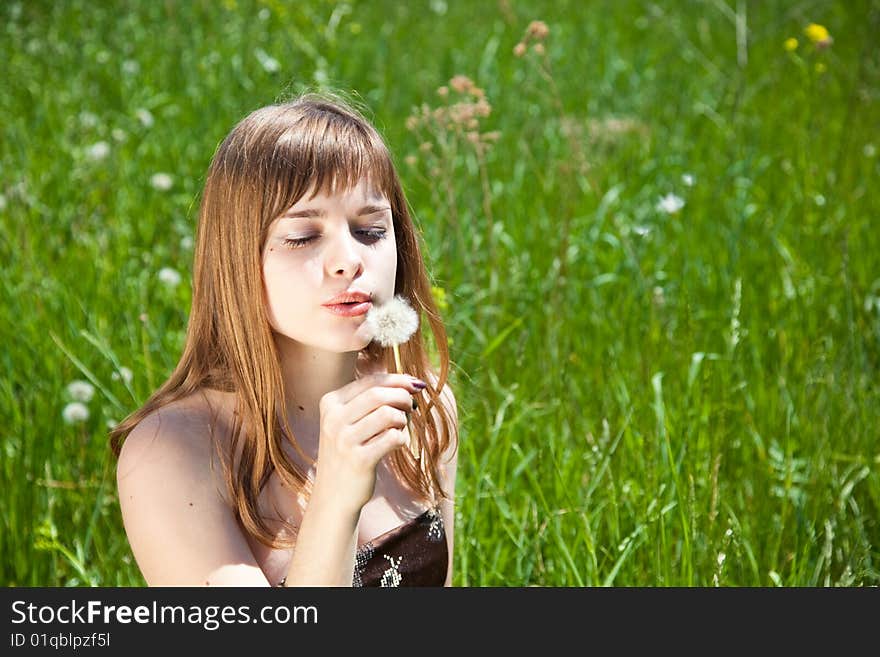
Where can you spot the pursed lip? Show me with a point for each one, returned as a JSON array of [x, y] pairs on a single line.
[[352, 296]]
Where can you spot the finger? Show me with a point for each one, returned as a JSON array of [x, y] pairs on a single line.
[[356, 387], [372, 398], [380, 420], [385, 443]]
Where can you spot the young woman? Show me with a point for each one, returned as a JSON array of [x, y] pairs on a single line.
[[276, 453]]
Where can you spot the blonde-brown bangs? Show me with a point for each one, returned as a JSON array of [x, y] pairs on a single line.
[[324, 149]]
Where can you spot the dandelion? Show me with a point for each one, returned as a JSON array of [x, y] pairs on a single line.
[[819, 35], [87, 119], [161, 181], [98, 151], [688, 180], [269, 63], [169, 276], [124, 374], [75, 412], [790, 44], [391, 325], [81, 391], [144, 116], [670, 203]]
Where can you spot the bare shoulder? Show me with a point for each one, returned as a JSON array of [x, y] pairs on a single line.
[[171, 490], [173, 440]]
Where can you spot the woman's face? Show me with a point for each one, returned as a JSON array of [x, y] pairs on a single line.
[[322, 247]]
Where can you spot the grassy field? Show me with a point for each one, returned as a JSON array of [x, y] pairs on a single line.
[[653, 228]]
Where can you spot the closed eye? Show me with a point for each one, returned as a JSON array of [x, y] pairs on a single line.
[[371, 237]]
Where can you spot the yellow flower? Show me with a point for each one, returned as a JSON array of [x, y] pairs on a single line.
[[791, 44], [440, 298], [817, 33]]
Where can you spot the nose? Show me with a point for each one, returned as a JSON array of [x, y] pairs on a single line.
[[344, 256]]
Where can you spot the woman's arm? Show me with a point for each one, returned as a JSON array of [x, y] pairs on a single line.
[[181, 530]]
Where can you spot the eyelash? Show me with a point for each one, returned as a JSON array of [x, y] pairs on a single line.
[[298, 242]]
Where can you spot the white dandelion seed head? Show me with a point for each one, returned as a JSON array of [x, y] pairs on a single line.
[[124, 373], [144, 116], [169, 276], [670, 203], [269, 63], [161, 181], [98, 151], [81, 391], [392, 324], [75, 412]]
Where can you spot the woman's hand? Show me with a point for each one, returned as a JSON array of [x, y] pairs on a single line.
[[361, 423]]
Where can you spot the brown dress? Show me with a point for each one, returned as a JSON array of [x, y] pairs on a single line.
[[413, 554]]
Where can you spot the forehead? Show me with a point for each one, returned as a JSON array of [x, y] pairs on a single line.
[[364, 191]]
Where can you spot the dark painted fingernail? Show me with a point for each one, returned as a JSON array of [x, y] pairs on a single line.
[[415, 404], [418, 383]]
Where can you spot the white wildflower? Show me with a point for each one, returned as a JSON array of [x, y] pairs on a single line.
[[75, 412], [869, 150], [169, 276], [161, 181], [688, 179], [264, 14], [393, 323], [721, 558], [186, 242], [670, 203], [102, 57], [124, 373], [81, 391], [819, 200], [641, 231], [131, 67], [87, 119], [144, 116], [269, 63], [118, 134], [98, 151]]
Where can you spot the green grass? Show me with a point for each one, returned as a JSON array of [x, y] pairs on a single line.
[[645, 398]]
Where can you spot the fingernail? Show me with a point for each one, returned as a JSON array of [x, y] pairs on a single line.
[[418, 383], [415, 404]]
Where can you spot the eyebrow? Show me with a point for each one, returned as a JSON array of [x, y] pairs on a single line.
[[313, 212]]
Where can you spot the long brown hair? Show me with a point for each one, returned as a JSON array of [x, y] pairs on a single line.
[[266, 164]]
